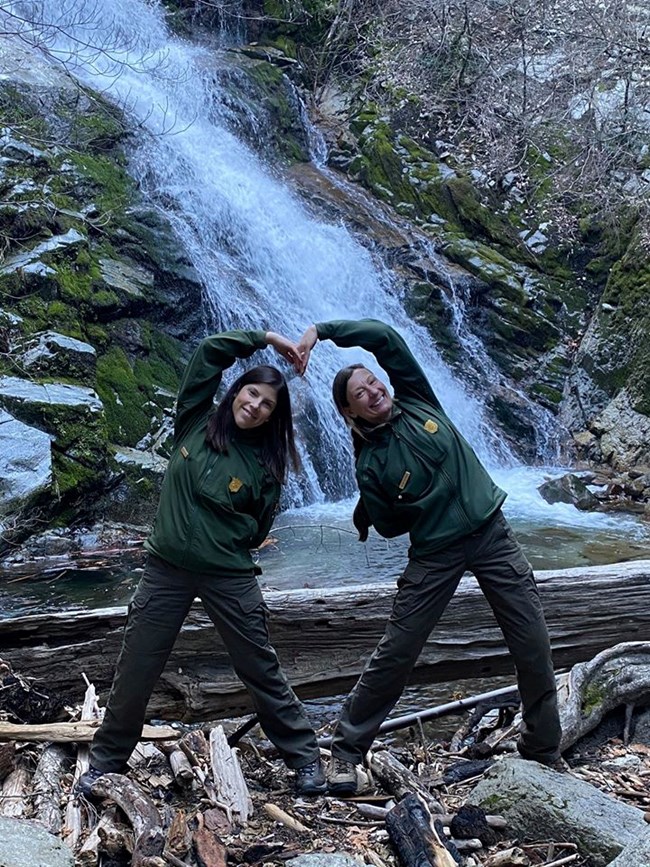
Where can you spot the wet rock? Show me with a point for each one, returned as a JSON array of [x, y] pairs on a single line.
[[22, 394], [25, 463], [134, 499], [642, 728], [540, 804], [24, 843], [31, 260], [569, 489], [59, 355]]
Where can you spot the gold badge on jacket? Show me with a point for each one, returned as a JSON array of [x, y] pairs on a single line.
[[235, 484], [430, 426]]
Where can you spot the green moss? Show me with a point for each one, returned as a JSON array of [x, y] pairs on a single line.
[[75, 283], [592, 699], [17, 112], [128, 419], [72, 477], [99, 131], [131, 390], [286, 127], [547, 393], [310, 19], [114, 188]]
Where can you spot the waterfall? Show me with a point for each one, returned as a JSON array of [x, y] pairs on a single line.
[[264, 260]]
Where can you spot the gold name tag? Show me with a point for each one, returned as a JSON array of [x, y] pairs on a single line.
[[185, 452], [430, 426], [404, 480], [235, 485]]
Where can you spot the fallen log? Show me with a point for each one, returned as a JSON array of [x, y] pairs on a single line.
[[228, 777], [324, 636], [14, 795], [47, 787], [82, 731]]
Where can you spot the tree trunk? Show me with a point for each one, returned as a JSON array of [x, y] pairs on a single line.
[[323, 638]]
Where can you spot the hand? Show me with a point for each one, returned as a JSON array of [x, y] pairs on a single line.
[[361, 520], [305, 346], [286, 348]]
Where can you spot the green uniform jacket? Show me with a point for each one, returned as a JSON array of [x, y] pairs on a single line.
[[416, 473], [213, 507]]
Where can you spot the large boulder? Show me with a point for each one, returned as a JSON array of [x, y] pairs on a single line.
[[541, 804], [28, 844], [624, 433], [569, 489], [73, 416], [637, 854], [25, 464]]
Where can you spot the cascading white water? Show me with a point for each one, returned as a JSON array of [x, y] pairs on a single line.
[[265, 262]]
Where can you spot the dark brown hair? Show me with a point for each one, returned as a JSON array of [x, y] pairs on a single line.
[[340, 395], [277, 438]]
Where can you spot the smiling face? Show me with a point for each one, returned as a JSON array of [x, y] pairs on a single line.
[[368, 397], [253, 405]]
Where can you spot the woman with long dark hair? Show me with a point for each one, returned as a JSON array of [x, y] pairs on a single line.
[[218, 501]]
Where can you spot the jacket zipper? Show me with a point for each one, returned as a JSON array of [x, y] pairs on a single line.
[[443, 472]]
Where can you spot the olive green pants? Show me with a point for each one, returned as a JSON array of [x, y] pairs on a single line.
[[424, 590], [235, 605]]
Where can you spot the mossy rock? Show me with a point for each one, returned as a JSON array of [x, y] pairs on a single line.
[[137, 391], [276, 95], [488, 265]]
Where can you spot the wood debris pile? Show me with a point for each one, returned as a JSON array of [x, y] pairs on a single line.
[[195, 801], [192, 800]]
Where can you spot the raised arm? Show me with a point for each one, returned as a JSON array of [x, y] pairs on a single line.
[[388, 347], [212, 356]]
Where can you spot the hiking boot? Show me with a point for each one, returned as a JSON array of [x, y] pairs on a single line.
[[557, 764], [346, 778], [85, 782], [310, 779]]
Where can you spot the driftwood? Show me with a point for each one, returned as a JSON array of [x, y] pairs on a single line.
[[82, 731], [46, 784], [618, 676], [513, 857], [15, 791], [209, 848], [7, 759], [197, 751], [397, 780], [412, 832], [179, 763], [107, 836], [73, 821], [279, 815], [228, 778], [324, 637], [140, 811]]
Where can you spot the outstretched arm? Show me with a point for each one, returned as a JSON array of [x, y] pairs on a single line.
[[388, 347], [212, 356]]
